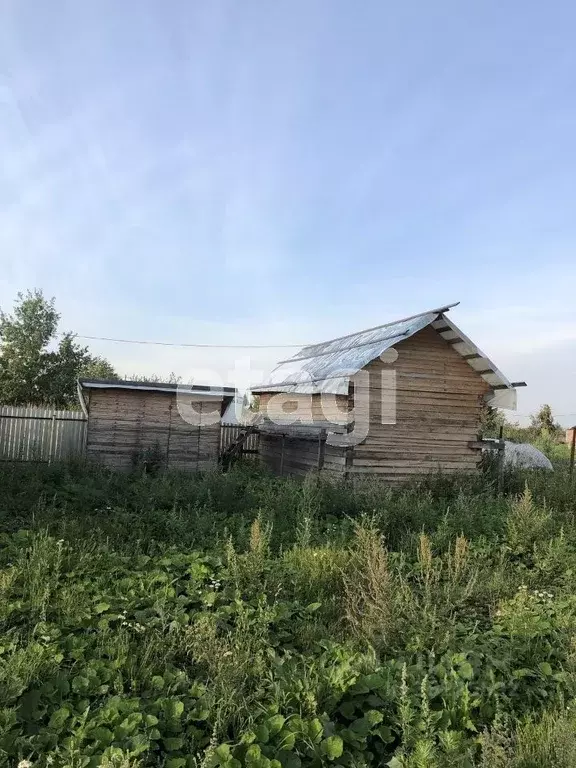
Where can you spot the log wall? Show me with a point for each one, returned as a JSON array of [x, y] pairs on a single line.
[[418, 423], [309, 408], [437, 398], [124, 424]]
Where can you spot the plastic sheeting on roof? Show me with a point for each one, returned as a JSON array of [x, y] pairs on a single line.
[[328, 367]]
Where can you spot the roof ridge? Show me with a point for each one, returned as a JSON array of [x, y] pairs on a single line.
[[344, 349], [298, 355], [438, 310], [336, 360]]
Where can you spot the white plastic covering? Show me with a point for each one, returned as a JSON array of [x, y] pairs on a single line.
[[327, 367], [503, 398], [236, 411], [524, 456]]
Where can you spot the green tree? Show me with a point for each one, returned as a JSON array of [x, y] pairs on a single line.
[[23, 338], [98, 368], [154, 378], [491, 419], [543, 422], [37, 367]]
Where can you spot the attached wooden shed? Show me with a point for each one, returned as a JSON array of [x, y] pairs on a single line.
[[128, 420], [400, 400]]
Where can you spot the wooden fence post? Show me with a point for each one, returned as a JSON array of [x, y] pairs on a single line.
[[501, 449], [572, 447], [321, 448], [169, 436], [282, 455]]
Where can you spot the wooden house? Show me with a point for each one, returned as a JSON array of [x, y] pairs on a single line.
[[130, 421], [400, 400]]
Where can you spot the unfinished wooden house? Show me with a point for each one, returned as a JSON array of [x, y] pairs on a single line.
[[400, 400], [175, 426]]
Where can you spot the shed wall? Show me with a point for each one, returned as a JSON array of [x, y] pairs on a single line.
[[310, 408], [435, 399], [122, 424], [438, 399], [291, 456]]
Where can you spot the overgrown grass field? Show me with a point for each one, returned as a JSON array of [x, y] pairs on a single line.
[[244, 620]]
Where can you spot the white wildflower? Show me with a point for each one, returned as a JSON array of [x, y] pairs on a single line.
[[24, 764]]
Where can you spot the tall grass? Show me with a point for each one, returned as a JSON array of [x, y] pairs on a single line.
[[427, 625], [139, 511]]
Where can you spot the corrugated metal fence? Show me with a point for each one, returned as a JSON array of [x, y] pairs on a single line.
[[40, 434]]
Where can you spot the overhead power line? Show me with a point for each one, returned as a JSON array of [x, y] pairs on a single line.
[[203, 346], [559, 415]]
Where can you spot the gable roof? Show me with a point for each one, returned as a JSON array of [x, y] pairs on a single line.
[[328, 366]]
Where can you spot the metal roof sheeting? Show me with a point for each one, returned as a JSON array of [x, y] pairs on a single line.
[[327, 367]]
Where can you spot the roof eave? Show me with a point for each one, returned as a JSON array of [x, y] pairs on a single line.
[[466, 348], [140, 386]]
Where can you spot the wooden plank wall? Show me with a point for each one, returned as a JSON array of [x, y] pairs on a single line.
[[438, 405], [298, 457], [194, 446], [311, 408], [40, 434], [124, 424], [293, 456]]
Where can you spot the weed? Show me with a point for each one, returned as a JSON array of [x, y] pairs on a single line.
[[526, 522], [368, 586]]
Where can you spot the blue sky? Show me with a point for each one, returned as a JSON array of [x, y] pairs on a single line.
[[269, 173]]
